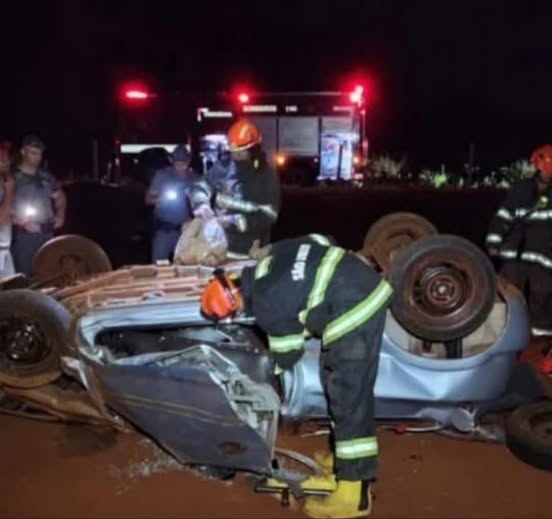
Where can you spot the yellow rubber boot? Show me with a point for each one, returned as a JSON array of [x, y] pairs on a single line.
[[325, 460], [324, 482], [350, 500]]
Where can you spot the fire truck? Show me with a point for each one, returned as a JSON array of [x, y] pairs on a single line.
[[307, 136]]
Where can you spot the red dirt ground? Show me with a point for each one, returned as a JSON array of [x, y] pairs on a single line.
[[61, 471]]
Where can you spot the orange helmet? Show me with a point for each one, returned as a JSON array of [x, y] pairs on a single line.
[[542, 159], [243, 135], [221, 298]]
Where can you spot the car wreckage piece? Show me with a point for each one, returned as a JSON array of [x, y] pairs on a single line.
[[142, 351], [392, 233]]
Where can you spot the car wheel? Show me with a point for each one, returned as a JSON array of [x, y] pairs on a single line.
[[529, 434], [391, 233], [445, 288], [64, 259], [34, 328]]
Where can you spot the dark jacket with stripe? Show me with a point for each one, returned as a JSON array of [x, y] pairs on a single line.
[[258, 205], [278, 292], [522, 226]]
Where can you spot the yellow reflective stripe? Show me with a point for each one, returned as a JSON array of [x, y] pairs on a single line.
[[245, 206], [319, 238], [230, 202], [541, 332], [535, 257], [357, 315], [541, 215], [360, 448], [508, 254], [504, 214], [262, 267], [269, 211], [493, 238], [286, 343], [323, 276]]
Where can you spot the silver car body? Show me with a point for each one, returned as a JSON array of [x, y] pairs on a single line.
[[158, 391]]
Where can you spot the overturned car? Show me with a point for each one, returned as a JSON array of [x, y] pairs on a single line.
[[130, 347]]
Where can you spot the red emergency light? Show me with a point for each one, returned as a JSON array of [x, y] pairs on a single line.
[[357, 95], [133, 93], [243, 98]]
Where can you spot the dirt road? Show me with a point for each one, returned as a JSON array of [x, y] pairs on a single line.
[[73, 472]]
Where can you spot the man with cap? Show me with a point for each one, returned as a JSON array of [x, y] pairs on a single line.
[[168, 194], [251, 207], [39, 205]]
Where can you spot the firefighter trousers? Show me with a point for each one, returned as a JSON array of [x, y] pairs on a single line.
[[535, 282], [348, 372]]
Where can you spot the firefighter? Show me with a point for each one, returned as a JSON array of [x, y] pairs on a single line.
[[168, 193], [520, 235], [307, 287], [222, 175], [251, 207]]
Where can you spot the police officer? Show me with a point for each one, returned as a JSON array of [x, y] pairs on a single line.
[[168, 194], [39, 205], [308, 287], [251, 206]]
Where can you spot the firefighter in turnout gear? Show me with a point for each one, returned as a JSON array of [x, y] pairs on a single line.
[[307, 287], [249, 212], [520, 237]]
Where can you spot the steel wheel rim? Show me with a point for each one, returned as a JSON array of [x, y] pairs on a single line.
[[24, 343], [442, 287]]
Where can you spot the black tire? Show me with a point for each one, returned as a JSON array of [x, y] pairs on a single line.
[[45, 325], [445, 288], [529, 434], [71, 257], [391, 233]]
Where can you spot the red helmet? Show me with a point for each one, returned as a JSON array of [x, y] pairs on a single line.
[[221, 297], [542, 159], [243, 135]]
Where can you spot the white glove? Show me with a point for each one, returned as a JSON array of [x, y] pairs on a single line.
[[237, 220], [204, 211]]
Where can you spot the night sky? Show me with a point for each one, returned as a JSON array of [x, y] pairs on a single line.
[[447, 73]]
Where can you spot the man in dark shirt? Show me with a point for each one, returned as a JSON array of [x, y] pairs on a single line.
[[168, 194], [39, 205]]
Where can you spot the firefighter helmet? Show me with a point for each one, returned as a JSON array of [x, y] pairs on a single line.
[[243, 135], [221, 297], [542, 159]]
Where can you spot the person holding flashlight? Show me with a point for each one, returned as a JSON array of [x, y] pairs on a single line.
[[39, 205], [168, 194]]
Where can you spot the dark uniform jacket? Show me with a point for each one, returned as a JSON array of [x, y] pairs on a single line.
[[308, 287], [258, 205], [522, 226]]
